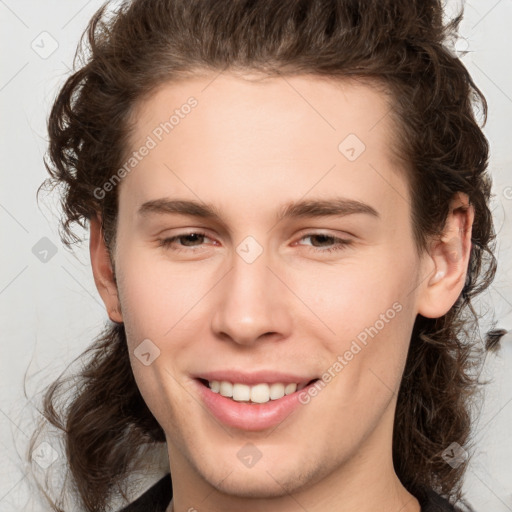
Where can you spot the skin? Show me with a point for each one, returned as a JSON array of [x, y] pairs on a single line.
[[249, 147]]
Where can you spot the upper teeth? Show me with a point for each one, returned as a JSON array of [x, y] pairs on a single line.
[[259, 393]]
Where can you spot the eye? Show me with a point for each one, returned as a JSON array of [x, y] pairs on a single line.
[[337, 244], [190, 238], [193, 242]]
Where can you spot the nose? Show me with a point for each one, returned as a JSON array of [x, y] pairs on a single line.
[[252, 303]]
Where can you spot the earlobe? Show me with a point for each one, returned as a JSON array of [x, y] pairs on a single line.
[[102, 270], [448, 261]]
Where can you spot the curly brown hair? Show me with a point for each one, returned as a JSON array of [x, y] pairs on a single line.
[[398, 45]]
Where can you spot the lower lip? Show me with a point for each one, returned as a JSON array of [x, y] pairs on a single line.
[[247, 416]]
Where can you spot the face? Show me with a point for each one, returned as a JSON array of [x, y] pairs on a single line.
[[262, 284]]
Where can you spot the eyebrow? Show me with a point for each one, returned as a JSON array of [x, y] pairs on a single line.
[[294, 209]]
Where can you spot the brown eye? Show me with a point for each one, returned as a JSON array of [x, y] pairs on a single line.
[[190, 240], [337, 244]]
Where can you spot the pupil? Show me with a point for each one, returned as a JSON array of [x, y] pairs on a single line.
[[192, 235], [324, 238]]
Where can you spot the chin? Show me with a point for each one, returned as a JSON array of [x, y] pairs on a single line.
[[260, 481]]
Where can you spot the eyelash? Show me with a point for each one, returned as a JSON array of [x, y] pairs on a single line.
[[341, 243]]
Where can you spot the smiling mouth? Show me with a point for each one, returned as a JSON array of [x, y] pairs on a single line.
[[257, 394]]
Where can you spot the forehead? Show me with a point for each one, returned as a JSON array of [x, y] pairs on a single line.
[[304, 104], [228, 133]]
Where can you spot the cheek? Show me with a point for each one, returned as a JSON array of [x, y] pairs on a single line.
[[369, 311], [157, 296], [355, 293]]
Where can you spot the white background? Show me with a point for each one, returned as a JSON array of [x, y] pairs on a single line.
[[50, 312]]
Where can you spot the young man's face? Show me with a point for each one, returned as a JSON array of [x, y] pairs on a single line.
[[262, 294]]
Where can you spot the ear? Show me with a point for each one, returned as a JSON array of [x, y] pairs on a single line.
[[104, 276], [448, 260]]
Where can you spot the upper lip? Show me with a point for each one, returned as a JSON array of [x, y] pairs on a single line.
[[257, 377]]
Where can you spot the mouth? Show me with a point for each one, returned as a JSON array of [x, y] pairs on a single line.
[[256, 394], [252, 408]]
